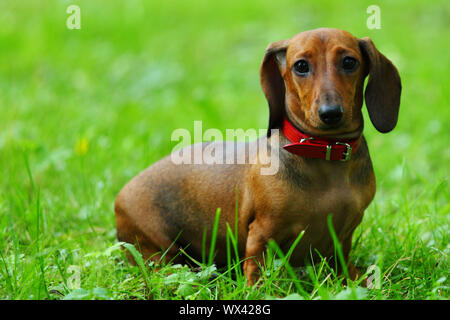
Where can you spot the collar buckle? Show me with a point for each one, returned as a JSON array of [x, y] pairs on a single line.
[[347, 155], [306, 139]]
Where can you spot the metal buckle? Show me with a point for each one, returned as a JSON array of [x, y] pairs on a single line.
[[305, 139], [347, 154]]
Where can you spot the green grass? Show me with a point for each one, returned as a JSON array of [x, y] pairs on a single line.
[[83, 111]]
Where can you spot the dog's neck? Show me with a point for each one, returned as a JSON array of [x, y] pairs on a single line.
[[310, 173], [305, 145]]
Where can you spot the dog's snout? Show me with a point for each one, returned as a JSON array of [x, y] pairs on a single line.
[[331, 114]]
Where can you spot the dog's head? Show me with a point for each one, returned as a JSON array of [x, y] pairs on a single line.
[[317, 78]]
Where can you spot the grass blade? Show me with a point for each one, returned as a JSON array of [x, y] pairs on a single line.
[[285, 261], [214, 237], [337, 246]]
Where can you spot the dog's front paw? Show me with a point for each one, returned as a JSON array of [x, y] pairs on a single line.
[[251, 272]]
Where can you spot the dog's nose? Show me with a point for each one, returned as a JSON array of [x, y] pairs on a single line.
[[331, 114]]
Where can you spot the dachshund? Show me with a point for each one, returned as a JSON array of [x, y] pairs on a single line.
[[314, 86]]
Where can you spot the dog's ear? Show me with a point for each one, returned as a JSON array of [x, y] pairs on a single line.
[[272, 82], [383, 89]]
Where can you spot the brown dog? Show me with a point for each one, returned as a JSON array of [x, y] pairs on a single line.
[[315, 82]]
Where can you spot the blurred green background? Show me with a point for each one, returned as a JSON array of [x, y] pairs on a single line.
[[83, 111]]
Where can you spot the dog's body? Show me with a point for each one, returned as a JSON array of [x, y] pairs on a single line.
[[169, 202]]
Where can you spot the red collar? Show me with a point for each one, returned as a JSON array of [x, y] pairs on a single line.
[[318, 147]]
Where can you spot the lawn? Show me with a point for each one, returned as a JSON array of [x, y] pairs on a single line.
[[83, 111]]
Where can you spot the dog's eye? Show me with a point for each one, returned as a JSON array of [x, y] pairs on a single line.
[[301, 67], [349, 63]]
